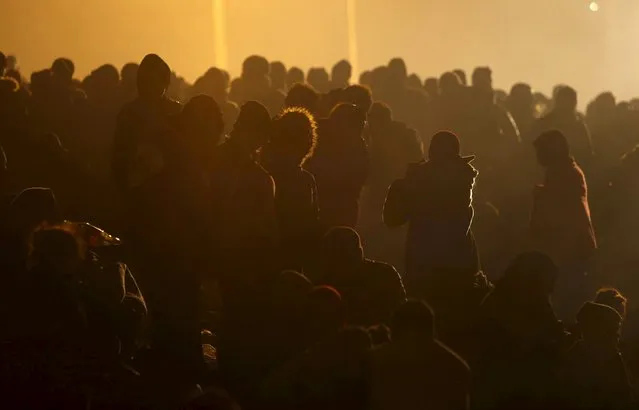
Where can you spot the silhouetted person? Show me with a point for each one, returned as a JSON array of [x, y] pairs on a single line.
[[521, 106], [493, 136], [431, 86], [293, 139], [277, 72], [244, 211], [435, 200], [461, 74], [128, 82], [141, 123], [560, 224], [303, 96], [201, 124], [371, 290], [255, 85], [564, 117], [358, 95], [415, 370], [340, 165], [595, 375], [294, 76], [519, 337], [341, 74], [318, 78]]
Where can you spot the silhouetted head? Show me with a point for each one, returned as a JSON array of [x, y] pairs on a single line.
[[600, 325], [304, 96], [294, 76], [552, 149], [380, 115], [153, 78], [294, 135], [342, 247], [319, 79], [278, 73], [359, 95], [255, 67], [325, 314], [202, 118], [33, 207], [55, 252], [413, 81], [431, 86], [613, 298], [566, 100], [129, 73], [461, 74], [348, 120], [341, 74], [449, 84], [483, 79], [520, 97], [445, 147], [253, 126], [397, 72], [413, 321], [289, 294], [63, 70], [532, 274]]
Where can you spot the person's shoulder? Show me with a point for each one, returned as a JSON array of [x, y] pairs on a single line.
[[452, 359], [381, 268]]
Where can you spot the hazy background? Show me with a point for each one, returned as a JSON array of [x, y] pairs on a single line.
[[543, 42]]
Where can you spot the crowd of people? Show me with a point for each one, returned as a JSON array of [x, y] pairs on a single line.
[[292, 240]]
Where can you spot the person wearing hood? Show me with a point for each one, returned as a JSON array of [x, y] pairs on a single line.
[[560, 224], [435, 200]]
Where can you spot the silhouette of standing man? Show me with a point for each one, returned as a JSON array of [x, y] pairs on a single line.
[[560, 224], [435, 200]]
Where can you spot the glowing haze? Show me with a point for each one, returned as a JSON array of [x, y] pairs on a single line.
[[543, 42]]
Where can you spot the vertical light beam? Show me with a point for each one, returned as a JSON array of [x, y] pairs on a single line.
[[351, 17], [219, 29]]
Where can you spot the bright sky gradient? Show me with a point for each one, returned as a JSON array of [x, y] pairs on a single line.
[[543, 42]]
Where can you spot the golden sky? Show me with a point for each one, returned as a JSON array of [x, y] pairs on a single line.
[[543, 42]]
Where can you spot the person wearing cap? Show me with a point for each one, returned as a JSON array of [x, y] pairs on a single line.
[[435, 200], [560, 224]]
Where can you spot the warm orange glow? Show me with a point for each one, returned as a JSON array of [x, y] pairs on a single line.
[[351, 17], [219, 27]]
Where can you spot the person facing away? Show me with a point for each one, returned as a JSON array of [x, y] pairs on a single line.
[[340, 165], [415, 370], [293, 139], [595, 375], [371, 290], [141, 126], [564, 117], [244, 211], [520, 104], [435, 200], [560, 224], [341, 74]]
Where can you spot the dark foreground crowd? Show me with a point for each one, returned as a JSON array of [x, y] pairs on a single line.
[[246, 221]]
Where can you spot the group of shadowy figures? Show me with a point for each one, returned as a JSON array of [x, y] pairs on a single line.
[[253, 214]]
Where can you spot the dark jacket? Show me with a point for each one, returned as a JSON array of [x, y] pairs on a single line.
[[435, 199]]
